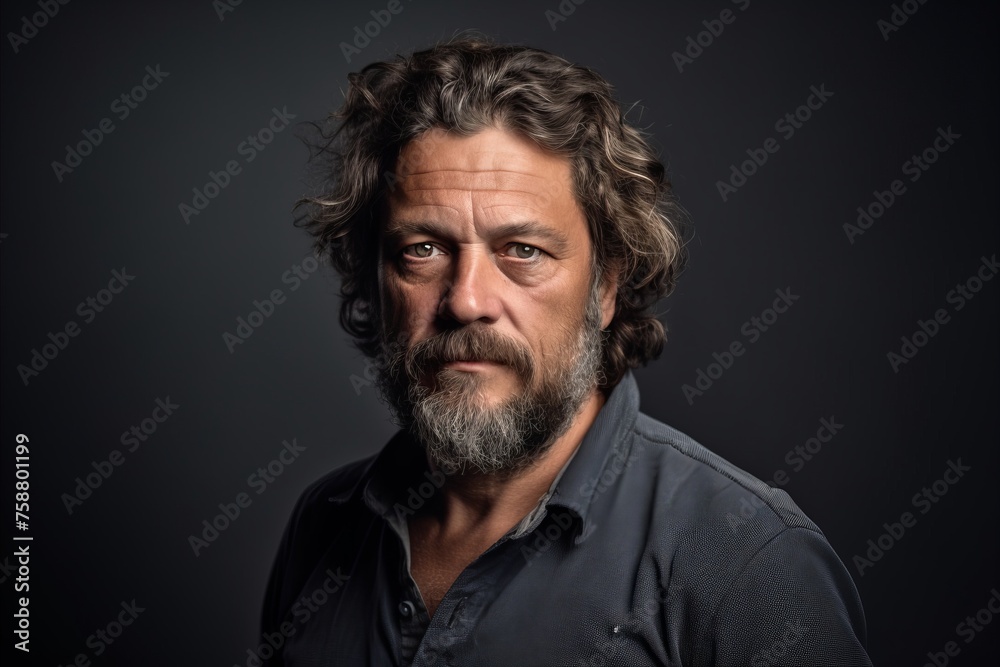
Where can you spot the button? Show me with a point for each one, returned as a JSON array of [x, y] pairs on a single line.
[[407, 609]]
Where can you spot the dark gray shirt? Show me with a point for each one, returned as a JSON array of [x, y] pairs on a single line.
[[649, 550]]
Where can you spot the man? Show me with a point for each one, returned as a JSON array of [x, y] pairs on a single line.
[[502, 235]]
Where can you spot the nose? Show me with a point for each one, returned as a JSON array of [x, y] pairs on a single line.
[[474, 289]]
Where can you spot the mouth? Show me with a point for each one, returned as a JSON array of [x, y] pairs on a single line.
[[469, 364]]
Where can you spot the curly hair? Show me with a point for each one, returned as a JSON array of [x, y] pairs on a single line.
[[464, 86]]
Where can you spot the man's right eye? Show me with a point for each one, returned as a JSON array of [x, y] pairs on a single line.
[[421, 250]]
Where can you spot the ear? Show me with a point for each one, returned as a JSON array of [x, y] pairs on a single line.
[[609, 292]]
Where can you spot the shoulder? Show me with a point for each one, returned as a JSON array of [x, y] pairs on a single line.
[[709, 520], [308, 534], [703, 485], [330, 492], [339, 482], [732, 543]]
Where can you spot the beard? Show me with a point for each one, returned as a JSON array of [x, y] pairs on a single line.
[[461, 430]]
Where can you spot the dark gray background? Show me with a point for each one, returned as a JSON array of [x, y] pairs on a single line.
[[162, 336]]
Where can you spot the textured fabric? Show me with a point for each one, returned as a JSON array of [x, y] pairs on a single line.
[[651, 551]]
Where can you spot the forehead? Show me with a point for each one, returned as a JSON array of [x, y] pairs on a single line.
[[489, 149], [495, 167]]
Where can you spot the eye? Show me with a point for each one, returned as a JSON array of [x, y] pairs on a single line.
[[522, 251], [421, 250]]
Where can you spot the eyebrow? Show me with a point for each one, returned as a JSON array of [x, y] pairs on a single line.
[[558, 241]]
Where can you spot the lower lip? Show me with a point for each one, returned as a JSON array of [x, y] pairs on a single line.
[[470, 365]]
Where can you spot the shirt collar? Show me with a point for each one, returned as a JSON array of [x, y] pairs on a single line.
[[383, 472], [591, 472], [399, 476]]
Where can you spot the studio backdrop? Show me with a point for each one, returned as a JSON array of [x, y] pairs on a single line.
[[174, 374]]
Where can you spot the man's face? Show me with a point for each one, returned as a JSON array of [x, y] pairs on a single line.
[[491, 317]]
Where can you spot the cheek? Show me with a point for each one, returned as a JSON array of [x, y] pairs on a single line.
[[409, 309], [552, 324]]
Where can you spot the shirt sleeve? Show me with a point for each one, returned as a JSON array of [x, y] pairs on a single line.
[[274, 596], [301, 543], [793, 603]]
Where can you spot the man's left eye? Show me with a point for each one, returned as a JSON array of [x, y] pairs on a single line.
[[521, 251]]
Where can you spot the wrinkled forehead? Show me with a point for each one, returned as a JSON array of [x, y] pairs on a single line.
[[492, 159]]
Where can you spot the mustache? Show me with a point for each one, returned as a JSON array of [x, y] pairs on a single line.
[[468, 344]]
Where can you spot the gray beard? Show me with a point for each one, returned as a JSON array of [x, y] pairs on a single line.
[[459, 431]]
